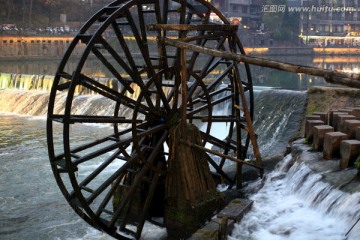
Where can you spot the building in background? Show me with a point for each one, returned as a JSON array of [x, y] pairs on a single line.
[[330, 23], [246, 13]]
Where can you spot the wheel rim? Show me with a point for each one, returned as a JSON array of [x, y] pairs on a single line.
[[149, 93]]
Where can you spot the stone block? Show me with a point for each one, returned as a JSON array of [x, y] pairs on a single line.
[[347, 110], [332, 142], [309, 128], [312, 117], [335, 117], [340, 121], [358, 133], [331, 115], [236, 209], [212, 230], [323, 116], [350, 127], [319, 134], [349, 151], [356, 112]]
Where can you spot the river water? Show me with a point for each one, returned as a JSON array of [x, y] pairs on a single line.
[[32, 207]]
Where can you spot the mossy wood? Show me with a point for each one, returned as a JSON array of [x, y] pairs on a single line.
[[191, 196]]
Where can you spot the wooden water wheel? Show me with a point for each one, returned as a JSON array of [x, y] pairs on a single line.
[[116, 179]]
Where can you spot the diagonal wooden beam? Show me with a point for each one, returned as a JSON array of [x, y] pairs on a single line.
[[350, 80]]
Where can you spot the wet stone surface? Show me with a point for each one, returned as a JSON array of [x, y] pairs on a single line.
[[329, 169]]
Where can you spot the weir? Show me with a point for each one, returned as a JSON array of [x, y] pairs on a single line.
[[121, 179], [321, 198]]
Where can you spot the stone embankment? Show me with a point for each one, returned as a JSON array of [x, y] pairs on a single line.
[[55, 46]]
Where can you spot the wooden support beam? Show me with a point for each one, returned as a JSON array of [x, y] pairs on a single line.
[[221, 155], [350, 80]]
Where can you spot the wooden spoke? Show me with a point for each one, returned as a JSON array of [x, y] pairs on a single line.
[[139, 43]]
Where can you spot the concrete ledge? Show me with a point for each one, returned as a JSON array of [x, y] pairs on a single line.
[[236, 209], [212, 230], [231, 214]]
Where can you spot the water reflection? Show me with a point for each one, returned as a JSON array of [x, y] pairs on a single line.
[[261, 76]]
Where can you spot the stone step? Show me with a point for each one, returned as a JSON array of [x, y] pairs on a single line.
[[356, 112], [350, 126], [213, 230], [333, 118], [309, 129], [236, 209], [222, 225], [323, 116], [332, 142], [349, 151], [312, 117], [348, 110], [319, 134], [340, 122]]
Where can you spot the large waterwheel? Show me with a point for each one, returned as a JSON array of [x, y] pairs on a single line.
[[117, 179]]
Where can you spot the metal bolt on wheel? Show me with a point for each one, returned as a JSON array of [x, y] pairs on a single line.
[[126, 39]]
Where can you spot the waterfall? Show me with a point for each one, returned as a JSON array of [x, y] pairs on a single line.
[[278, 115], [26, 82], [294, 203]]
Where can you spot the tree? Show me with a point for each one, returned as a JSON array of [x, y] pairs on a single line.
[[50, 4], [283, 24], [9, 7], [30, 11]]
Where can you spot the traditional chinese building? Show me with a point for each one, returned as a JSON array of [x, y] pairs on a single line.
[[330, 22], [247, 13]]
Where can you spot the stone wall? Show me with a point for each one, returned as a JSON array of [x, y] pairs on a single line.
[[44, 46]]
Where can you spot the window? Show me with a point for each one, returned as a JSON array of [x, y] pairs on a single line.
[[245, 9]]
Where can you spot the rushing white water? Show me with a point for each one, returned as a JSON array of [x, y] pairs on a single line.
[[278, 115], [295, 204]]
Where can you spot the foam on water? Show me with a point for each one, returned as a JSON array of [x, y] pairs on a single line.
[[297, 205]]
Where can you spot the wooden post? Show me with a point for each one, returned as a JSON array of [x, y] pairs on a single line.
[[183, 85]]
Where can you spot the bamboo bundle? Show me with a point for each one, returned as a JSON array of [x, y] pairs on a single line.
[[190, 191]]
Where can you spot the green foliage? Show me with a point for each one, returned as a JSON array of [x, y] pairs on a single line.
[[357, 163], [44, 13], [283, 25]]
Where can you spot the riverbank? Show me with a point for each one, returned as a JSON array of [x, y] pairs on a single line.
[[16, 47], [303, 51]]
